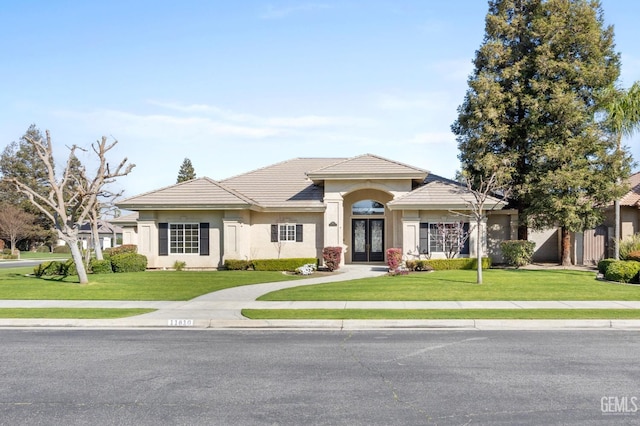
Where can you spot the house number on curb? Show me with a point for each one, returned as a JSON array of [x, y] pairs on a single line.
[[181, 322]]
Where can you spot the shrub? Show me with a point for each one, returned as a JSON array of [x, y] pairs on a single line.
[[331, 257], [179, 265], [634, 255], [418, 265], [125, 248], [56, 268], [129, 262], [394, 258], [459, 263], [43, 249], [45, 268], [604, 264], [101, 266], [628, 245], [237, 265], [622, 271], [62, 249], [517, 252], [290, 264]]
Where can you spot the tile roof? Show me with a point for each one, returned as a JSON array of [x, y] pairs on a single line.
[[632, 198], [192, 194], [283, 184], [439, 193], [367, 166]]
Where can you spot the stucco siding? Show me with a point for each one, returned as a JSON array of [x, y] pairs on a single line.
[[260, 234]]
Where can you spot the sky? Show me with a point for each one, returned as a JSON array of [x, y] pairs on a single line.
[[239, 85]]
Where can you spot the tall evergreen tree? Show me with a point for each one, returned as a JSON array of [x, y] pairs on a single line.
[[19, 160], [532, 103], [187, 172]]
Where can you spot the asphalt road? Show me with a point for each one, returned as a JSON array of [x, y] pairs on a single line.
[[198, 377]]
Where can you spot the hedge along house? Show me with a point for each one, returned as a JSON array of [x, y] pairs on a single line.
[[364, 204]]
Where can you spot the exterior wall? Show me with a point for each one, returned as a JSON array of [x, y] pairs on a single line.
[[547, 245], [261, 246], [147, 240], [411, 220]]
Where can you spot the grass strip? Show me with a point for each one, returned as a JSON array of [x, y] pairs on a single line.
[[71, 313], [373, 314]]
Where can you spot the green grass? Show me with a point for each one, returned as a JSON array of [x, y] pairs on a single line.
[[151, 285], [499, 284], [373, 314], [71, 313]]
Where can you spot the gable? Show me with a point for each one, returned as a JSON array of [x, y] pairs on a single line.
[[440, 194], [366, 167]]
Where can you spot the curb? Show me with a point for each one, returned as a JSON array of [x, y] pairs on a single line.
[[338, 325]]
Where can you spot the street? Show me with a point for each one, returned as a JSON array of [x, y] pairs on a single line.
[[198, 377]]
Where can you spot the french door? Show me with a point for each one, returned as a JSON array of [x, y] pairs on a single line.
[[367, 240]]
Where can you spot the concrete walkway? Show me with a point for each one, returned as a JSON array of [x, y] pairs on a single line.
[[222, 309]]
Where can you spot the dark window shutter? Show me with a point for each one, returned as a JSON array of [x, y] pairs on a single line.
[[204, 239], [274, 233], [163, 239], [423, 248], [298, 233], [465, 232]]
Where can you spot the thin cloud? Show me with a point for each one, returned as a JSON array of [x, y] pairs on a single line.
[[284, 12], [298, 122]]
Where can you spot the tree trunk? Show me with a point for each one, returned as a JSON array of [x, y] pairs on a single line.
[[616, 238], [95, 236], [76, 254], [479, 251], [566, 247]]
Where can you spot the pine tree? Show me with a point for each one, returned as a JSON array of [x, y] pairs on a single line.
[[532, 104], [19, 160], [186, 172]]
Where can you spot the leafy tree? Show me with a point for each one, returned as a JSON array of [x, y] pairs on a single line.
[[622, 118], [72, 197], [19, 160], [187, 172], [532, 102]]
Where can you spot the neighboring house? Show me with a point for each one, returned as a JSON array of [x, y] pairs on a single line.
[[108, 234], [596, 244], [295, 208]]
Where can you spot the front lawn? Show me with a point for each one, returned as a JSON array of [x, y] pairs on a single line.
[[150, 285], [499, 284]]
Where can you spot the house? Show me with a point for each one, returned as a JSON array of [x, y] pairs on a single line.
[[365, 204], [108, 234]]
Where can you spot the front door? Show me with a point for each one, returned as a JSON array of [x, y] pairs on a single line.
[[367, 240]]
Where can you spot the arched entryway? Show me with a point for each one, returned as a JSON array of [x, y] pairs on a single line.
[[368, 229]]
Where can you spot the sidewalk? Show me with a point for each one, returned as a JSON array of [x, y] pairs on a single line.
[[222, 310]]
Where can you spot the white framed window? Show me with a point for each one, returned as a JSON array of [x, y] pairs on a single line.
[[444, 237], [286, 232], [184, 238]]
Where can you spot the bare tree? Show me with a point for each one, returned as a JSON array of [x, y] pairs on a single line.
[[488, 193], [73, 197], [15, 224]]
